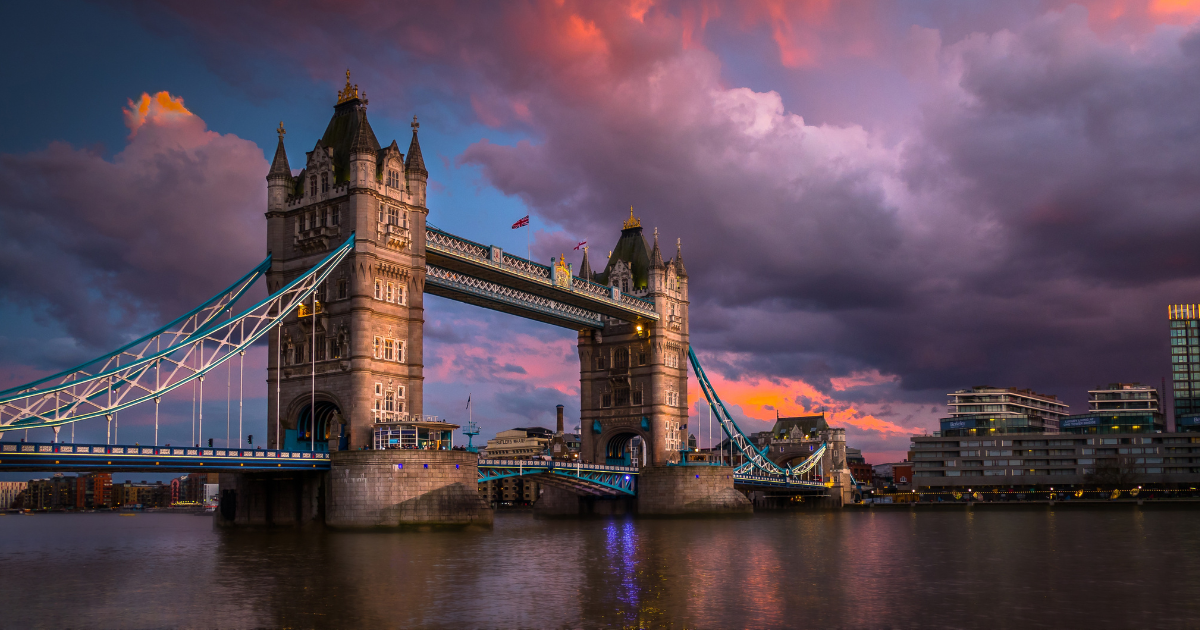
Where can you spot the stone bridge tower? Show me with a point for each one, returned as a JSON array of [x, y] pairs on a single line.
[[633, 377], [364, 340]]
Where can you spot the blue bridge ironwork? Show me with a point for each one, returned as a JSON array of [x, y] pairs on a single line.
[[23, 456], [594, 479]]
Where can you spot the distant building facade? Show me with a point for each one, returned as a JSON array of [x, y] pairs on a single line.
[[983, 411], [516, 444], [1118, 408], [9, 491], [1184, 322]]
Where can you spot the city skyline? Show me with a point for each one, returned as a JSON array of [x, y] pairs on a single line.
[[878, 207]]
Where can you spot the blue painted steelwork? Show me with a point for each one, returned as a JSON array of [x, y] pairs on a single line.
[[456, 286], [589, 478], [776, 481], [182, 328], [755, 459], [126, 385], [488, 263], [22, 456]]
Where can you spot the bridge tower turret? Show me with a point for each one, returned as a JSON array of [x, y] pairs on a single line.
[[633, 375], [364, 339]]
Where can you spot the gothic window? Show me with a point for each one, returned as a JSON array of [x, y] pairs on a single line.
[[393, 178], [337, 216], [606, 397], [625, 285], [621, 397], [400, 351], [621, 358], [641, 356], [379, 289], [304, 353], [343, 346], [382, 215], [320, 347], [378, 389], [378, 347], [307, 221], [393, 215], [389, 401], [601, 364], [290, 355], [400, 391], [312, 186], [635, 396], [324, 220], [391, 292], [324, 182], [389, 353], [343, 288], [401, 294], [672, 397]]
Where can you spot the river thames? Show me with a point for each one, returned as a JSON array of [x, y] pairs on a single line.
[[1009, 568]]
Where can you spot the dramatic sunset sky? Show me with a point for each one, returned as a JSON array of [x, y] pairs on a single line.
[[879, 202]]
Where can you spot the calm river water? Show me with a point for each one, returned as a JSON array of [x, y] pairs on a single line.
[[1097, 568]]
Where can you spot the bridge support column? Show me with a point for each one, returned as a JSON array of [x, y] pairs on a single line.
[[673, 490], [556, 501], [404, 488], [270, 499]]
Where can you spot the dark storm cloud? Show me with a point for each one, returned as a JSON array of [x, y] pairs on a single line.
[[107, 249]]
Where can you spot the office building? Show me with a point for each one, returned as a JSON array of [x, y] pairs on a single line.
[[1184, 322], [9, 491], [984, 411]]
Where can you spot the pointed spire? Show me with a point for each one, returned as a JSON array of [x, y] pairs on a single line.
[[585, 268], [279, 165], [656, 261], [415, 162], [679, 269]]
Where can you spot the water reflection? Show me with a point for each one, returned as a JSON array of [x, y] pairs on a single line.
[[1036, 568]]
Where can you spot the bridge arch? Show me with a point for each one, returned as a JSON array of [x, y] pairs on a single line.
[[328, 420], [615, 446]]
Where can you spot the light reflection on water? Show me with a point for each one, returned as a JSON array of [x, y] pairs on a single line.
[[1026, 569]]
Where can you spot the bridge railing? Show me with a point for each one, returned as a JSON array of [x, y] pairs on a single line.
[[550, 464], [28, 448]]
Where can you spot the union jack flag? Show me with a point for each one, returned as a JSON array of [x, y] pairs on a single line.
[[522, 223]]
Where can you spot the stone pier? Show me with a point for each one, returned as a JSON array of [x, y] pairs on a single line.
[[676, 490], [404, 488]]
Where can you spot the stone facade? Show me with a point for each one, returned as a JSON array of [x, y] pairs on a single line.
[[367, 342], [266, 499], [404, 488], [678, 490], [633, 375]]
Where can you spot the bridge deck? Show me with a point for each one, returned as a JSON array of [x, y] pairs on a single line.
[[21, 456], [594, 479]]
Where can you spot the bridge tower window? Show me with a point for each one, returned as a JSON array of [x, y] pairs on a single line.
[[389, 401], [312, 186], [621, 358], [388, 350], [635, 396], [324, 217], [400, 350], [401, 295], [379, 289], [641, 356], [378, 348], [606, 397], [621, 397], [391, 292], [320, 347], [324, 182], [378, 389], [393, 179], [393, 216], [337, 216], [343, 290]]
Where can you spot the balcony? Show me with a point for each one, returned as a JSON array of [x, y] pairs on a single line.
[[394, 236]]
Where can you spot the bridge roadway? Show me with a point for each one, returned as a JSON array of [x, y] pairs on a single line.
[[584, 479]]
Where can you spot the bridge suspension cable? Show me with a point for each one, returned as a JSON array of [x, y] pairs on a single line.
[[195, 345], [755, 458]]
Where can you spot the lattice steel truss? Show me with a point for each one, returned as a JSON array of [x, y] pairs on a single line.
[[595, 479], [195, 347], [498, 293], [755, 459]]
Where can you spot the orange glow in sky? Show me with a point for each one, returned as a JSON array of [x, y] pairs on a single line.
[[158, 108]]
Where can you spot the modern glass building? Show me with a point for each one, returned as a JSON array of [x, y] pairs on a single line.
[[983, 410], [1185, 364], [1118, 408]]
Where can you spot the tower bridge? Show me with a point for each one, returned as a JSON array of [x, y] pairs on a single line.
[[350, 257]]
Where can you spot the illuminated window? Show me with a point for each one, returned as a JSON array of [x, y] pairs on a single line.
[[391, 292], [389, 353], [378, 347]]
